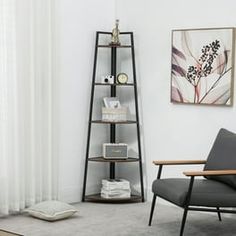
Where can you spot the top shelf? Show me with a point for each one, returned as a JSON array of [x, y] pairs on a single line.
[[115, 84], [114, 46]]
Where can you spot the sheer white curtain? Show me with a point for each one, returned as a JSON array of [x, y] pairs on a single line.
[[28, 165]]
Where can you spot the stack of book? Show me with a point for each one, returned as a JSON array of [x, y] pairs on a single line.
[[115, 188]]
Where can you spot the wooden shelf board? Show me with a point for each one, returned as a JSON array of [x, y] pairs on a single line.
[[98, 198], [115, 46], [102, 84], [112, 122], [102, 159]]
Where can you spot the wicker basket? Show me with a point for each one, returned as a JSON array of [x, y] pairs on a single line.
[[114, 114]]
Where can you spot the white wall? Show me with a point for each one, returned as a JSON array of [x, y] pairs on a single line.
[[172, 131], [78, 22], [169, 131]]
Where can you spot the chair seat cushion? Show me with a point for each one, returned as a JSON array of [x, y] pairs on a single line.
[[209, 193]]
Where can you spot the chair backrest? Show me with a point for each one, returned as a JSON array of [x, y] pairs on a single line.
[[223, 157]]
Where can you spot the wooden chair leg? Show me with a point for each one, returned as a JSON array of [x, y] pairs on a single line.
[[152, 209], [218, 212]]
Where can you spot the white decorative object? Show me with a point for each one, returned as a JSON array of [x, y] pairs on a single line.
[[107, 79], [122, 78], [51, 210], [111, 102], [115, 188], [115, 150], [114, 114], [115, 34]]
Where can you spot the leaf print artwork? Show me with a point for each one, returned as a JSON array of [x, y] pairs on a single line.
[[202, 66]]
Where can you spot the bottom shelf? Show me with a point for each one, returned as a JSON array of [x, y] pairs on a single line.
[[98, 198]]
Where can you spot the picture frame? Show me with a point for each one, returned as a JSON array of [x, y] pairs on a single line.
[[202, 66], [111, 102]]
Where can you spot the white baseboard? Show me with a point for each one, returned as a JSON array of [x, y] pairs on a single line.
[[74, 194]]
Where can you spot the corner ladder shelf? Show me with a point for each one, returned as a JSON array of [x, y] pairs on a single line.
[[112, 162]]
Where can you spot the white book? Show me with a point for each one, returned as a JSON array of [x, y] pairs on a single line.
[[115, 191], [124, 195], [115, 183]]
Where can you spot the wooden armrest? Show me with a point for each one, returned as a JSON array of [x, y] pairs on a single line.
[[210, 172], [179, 162]]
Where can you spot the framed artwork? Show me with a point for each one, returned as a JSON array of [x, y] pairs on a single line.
[[202, 63]]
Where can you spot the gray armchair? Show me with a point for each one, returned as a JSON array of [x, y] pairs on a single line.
[[214, 193]]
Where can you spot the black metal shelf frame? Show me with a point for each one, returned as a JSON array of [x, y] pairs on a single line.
[[102, 159], [102, 84], [114, 46], [113, 122], [113, 49]]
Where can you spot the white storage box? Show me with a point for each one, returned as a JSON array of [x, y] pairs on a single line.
[[114, 114]]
